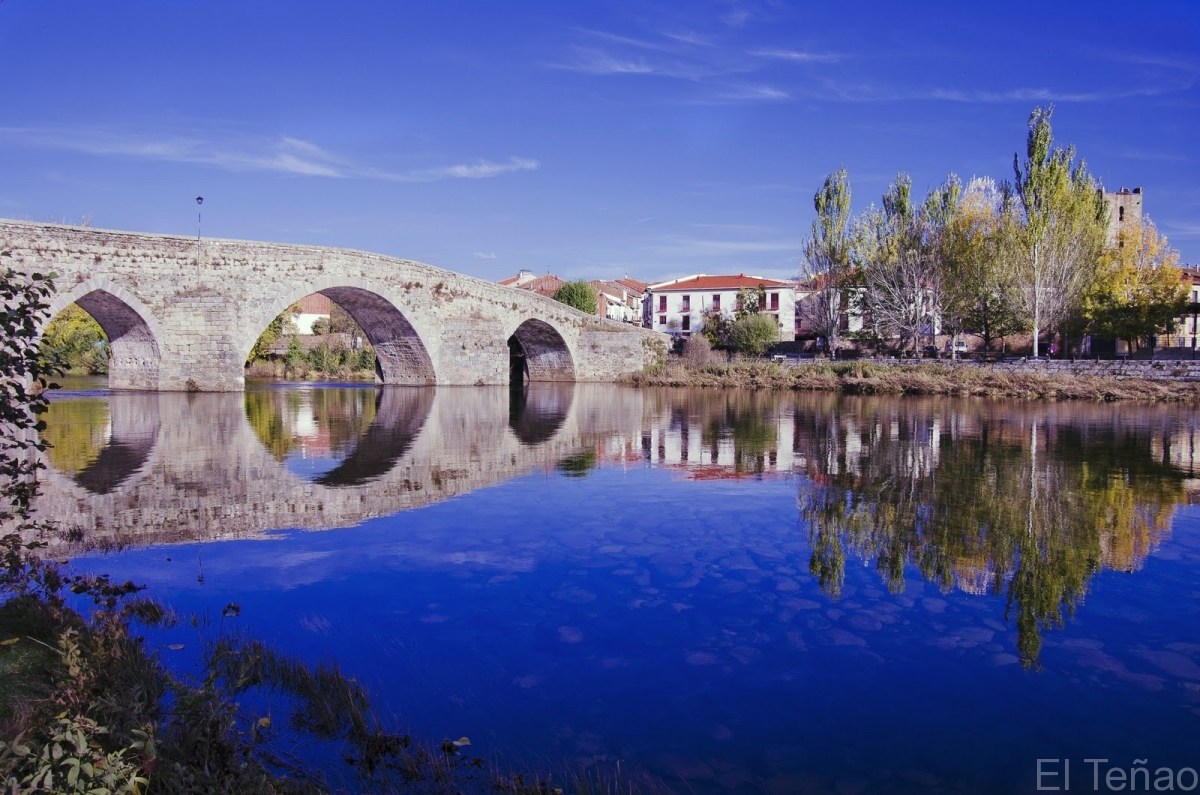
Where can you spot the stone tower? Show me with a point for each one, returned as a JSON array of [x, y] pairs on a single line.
[[1124, 207]]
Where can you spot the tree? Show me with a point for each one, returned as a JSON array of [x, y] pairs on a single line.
[[1139, 291], [754, 333], [578, 294], [827, 268], [1057, 225], [903, 253], [978, 287], [750, 301], [73, 340], [715, 328]]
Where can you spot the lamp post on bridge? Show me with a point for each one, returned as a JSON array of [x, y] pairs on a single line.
[[199, 201]]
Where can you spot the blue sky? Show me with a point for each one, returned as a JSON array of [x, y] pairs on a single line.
[[587, 139]]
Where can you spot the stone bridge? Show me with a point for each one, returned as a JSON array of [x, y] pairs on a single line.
[[183, 315], [177, 468]]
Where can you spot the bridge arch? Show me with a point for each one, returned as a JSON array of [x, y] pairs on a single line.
[[132, 331], [400, 354], [537, 352]]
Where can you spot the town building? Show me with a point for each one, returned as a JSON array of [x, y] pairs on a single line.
[[527, 280], [312, 308], [677, 307], [621, 299], [1124, 209], [1187, 328]]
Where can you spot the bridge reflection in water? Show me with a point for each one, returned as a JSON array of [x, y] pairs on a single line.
[[142, 468]]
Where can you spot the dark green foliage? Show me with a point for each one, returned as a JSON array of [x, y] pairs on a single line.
[[754, 333], [578, 294], [577, 466]]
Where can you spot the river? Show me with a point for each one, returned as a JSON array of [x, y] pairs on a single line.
[[731, 591]]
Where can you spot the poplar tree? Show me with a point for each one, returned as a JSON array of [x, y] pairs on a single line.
[[827, 267], [1058, 224]]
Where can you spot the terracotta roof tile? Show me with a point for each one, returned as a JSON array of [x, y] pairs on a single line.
[[703, 282]]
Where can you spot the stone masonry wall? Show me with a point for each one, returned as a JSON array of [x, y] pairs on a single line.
[[195, 318]]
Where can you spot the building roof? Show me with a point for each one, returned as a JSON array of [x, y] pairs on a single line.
[[701, 282], [315, 304], [633, 285], [511, 280], [544, 285]]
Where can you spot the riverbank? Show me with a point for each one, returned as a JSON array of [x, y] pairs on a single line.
[[277, 370], [956, 380]]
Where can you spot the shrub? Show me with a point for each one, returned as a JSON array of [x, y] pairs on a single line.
[[754, 333], [697, 351]]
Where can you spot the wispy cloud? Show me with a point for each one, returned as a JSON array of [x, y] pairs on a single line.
[[798, 56], [691, 246], [284, 155], [481, 169], [1187, 229], [866, 92], [598, 62], [485, 255], [761, 93]]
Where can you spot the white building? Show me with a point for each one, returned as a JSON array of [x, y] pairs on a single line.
[[312, 308], [622, 299], [678, 307]]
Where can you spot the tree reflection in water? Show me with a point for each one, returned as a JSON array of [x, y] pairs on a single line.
[[100, 442], [1019, 504], [359, 434]]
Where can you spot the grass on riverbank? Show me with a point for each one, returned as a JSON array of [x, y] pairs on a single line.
[[871, 378], [279, 370]]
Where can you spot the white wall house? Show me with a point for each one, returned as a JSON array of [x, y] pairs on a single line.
[[678, 307], [312, 308]]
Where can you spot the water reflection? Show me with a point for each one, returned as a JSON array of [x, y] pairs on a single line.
[[342, 437], [232, 466], [732, 564], [1028, 505], [536, 410], [100, 442], [1022, 502]]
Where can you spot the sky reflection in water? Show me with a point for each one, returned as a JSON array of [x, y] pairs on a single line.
[[735, 591]]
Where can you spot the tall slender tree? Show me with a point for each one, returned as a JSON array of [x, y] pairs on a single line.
[[827, 269], [1058, 227]]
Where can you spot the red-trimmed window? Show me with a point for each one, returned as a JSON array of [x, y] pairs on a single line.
[[687, 304], [717, 302], [774, 302], [662, 303]]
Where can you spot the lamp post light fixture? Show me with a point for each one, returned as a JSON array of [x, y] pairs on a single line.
[[199, 201]]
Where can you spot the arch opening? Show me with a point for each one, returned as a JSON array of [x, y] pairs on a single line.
[[341, 332], [125, 348], [399, 351], [536, 352]]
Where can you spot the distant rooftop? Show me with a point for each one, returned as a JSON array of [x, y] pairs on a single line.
[[703, 281]]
